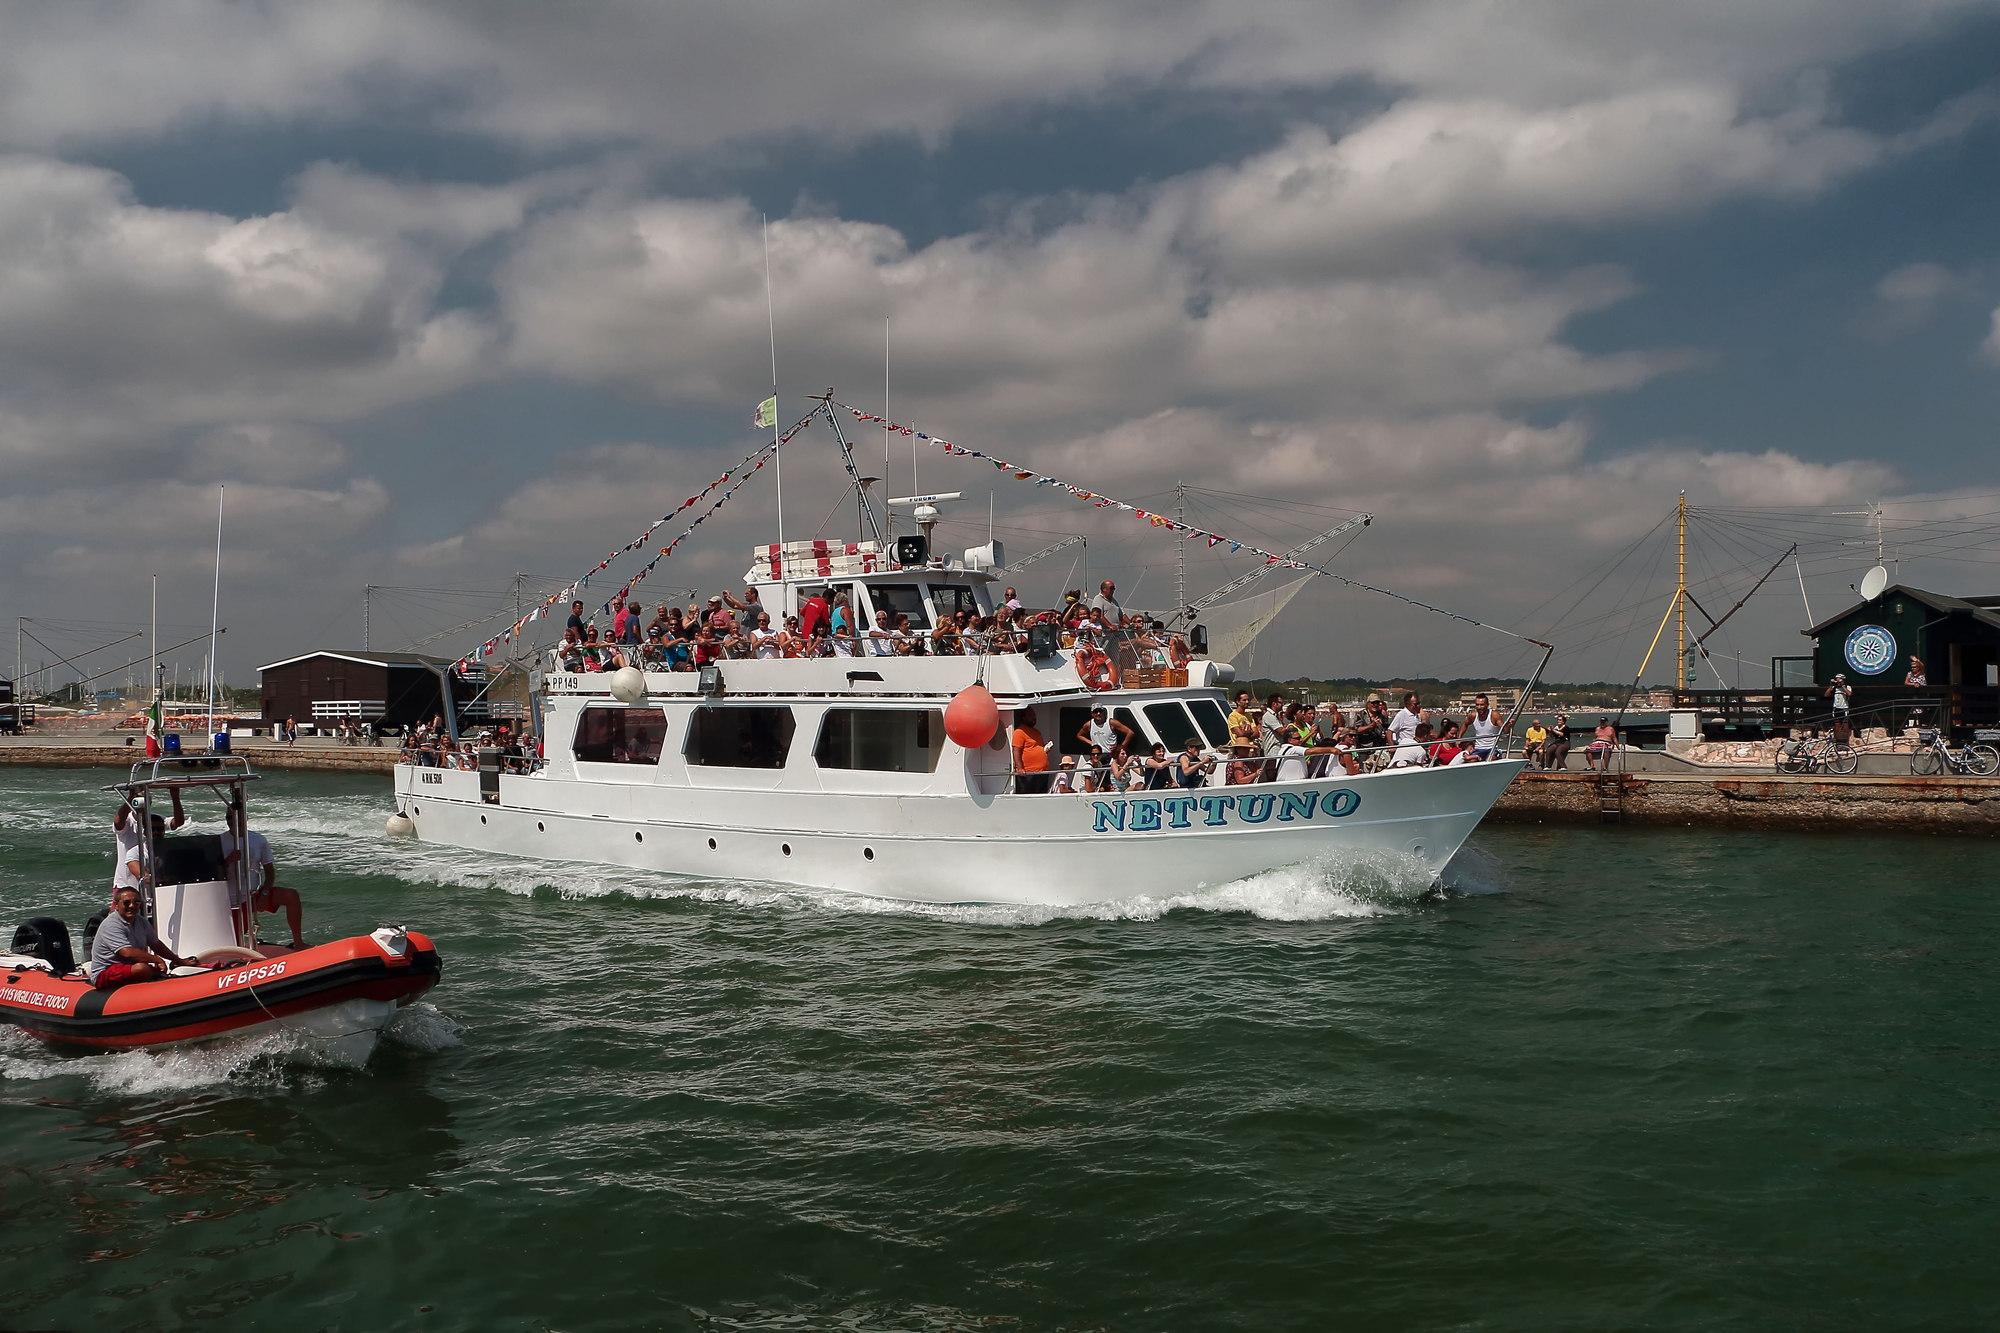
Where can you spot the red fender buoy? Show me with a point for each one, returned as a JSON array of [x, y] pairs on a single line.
[[972, 717]]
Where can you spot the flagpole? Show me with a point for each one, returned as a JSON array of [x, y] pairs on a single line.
[[215, 614], [777, 454], [153, 719]]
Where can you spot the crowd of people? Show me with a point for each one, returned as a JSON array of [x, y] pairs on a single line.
[[1284, 741], [429, 745], [1098, 630]]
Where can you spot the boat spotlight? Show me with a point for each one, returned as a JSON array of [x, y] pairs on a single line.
[[710, 681]]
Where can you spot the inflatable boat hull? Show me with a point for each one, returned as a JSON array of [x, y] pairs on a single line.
[[360, 976]]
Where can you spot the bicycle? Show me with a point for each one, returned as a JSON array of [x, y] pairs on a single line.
[[1816, 754], [1933, 756]]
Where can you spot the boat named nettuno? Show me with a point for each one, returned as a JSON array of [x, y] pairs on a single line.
[[838, 772]]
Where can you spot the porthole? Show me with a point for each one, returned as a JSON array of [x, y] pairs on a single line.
[[482, 819], [415, 811], [539, 828], [785, 847], [868, 853], [711, 844], [638, 837]]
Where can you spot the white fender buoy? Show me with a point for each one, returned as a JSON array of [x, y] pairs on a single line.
[[400, 825], [628, 685], [972, 717]]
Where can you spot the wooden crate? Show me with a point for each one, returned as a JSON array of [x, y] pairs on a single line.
[[1154, 678]]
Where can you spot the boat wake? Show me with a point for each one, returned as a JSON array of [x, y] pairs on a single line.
[[268, 1060]]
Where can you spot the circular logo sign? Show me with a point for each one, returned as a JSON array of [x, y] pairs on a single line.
[[1871, 650]]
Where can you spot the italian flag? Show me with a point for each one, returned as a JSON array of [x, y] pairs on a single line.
[[153, 729]]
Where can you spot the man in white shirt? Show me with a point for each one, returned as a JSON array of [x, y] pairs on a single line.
[[1107, 602], [125, 828], [1410, 751], [260, 876], [1404, 724], [1294, 759]]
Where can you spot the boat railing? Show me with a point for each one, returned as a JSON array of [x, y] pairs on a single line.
[[1149, 664], [194, 770], [1232, 767]]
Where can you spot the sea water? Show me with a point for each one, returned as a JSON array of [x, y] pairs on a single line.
[[1605, 1079]]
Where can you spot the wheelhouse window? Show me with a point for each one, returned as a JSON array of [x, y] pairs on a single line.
[[1213, 724], [881, 740], [620, 735], [739, 737], [1170, 724], [950, 599], [894, 599]]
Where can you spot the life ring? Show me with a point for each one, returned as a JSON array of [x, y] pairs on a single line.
[[1095, 668]]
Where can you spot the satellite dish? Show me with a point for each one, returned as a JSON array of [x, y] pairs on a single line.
[[1873, 582]]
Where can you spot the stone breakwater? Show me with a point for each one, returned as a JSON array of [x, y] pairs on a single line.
[[304, 758], [1770, 801]]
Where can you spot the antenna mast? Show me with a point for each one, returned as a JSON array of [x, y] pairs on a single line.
[[1180, 551], [1683, 669], [777, 454]]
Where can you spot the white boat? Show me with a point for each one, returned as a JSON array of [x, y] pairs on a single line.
[[837, 773]]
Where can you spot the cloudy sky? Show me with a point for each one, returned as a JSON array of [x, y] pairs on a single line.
[[446, 292]]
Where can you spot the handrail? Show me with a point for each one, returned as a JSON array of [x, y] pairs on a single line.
[[218, 765]]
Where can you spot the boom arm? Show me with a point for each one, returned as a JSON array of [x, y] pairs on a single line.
[[1201, 604], [1062, 545]]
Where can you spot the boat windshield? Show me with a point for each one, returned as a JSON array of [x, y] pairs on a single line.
[[894, 599]]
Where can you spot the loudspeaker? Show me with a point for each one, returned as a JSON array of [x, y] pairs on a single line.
[[1198, 641], [912, 550]]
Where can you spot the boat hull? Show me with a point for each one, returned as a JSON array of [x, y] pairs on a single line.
[[936, 848], [336, 991]]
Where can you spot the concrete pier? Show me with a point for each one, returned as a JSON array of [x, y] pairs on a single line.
[[1756, 800], [87, 751]]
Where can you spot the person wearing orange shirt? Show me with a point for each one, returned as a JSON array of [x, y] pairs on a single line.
[[1031, 755]]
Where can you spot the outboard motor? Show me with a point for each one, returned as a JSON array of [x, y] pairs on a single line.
[[45, 938]]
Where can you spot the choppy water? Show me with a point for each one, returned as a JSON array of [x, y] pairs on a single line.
[[1615, 1080]]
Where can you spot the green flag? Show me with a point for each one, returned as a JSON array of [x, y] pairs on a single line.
[[767, 414]]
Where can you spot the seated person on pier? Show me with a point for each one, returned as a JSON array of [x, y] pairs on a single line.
[[1533, 739], [127, 948], [1603, 744], [1555, 754]]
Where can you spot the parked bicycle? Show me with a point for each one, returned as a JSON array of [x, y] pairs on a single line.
[[1934, 755], [1818, 754]]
